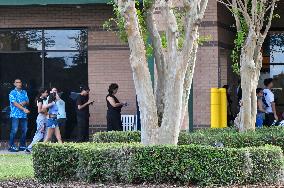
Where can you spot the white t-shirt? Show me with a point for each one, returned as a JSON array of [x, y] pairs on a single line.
[[269, 98], [61, 109]]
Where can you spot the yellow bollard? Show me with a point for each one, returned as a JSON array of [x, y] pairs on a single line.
[[215, 106], [223, 108]]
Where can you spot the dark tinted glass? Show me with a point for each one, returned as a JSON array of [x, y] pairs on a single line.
[[27, 67], [18, 40]]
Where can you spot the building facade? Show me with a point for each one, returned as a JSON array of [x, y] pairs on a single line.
[[63, 44]]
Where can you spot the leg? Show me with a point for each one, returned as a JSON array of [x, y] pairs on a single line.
[[24, 124], [49, 134], [81, 126], [86, 133], [14, 129], [39, 135], [61, 124], [58, 135]]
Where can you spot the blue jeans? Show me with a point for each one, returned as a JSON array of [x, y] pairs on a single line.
[[15, 125], [259, 120]]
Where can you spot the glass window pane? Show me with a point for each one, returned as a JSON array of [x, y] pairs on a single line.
[[27, 67], [19, 40], [66, 70], [65, 39], [276, 41]]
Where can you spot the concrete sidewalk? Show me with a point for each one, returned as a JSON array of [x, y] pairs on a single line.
[[4, 152]]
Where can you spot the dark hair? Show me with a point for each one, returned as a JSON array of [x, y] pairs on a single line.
[[51, 97], [17, 79], [40, 92], [112, 87], [267, 81], [258, 90], [84, 88]]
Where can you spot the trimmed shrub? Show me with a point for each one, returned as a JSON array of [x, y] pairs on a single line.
[[232, 138], [134, 163], [53, 162], [228, 137], [117, 136]]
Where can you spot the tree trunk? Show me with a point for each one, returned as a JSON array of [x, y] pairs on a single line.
[[249, 77], [141, 74]]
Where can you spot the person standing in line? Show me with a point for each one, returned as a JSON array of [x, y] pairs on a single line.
[[260, 108], [41, 119], [61, 116], [52, 123], [270, 115], [83, 114], [18, 104], [114, 109]]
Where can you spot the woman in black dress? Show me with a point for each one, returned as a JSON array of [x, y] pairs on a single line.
[[114, 108]]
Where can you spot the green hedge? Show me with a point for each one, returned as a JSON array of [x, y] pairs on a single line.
[[117, 136], [134, 163], [228, 137]]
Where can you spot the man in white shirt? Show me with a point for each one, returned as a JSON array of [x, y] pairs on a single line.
[[270, 115]]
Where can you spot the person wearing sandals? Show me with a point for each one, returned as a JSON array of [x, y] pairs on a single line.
[[41, 119], [52, 123]]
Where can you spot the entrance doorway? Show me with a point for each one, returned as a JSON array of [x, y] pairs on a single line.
[[42, 58]]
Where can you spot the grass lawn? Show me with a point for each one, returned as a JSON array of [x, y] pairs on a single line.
[[13, 166]]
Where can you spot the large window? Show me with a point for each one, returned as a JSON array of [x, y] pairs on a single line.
[[42, 58], [273, 67]]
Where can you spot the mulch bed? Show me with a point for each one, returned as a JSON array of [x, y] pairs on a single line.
[[34, 183]]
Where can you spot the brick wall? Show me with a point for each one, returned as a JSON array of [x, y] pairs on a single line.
[[108, 58], [206, 70]]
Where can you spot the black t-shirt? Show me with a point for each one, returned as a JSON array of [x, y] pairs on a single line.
[[80, 101], [40, 100]]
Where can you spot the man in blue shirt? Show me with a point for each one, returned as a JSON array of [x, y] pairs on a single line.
[[18, 103]]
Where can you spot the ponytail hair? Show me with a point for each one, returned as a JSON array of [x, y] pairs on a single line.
[[112, 87]]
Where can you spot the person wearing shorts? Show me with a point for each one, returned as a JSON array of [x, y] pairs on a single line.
[[52, 123]]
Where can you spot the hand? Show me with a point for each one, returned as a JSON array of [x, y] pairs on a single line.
[[91, 101], [23, 103], [276, 117], [26, 111]]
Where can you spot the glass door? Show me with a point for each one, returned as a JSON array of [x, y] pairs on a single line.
[[42, 58]]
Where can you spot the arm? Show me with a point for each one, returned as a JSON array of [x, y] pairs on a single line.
[[15, 103], [260, 106], [113, 103], [274, 110], [80, 107], [48, 105], [26, 102], [19, 106], [40, 108]]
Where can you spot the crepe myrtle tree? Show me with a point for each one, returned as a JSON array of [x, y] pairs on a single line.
[[253, 21], [163, 107]]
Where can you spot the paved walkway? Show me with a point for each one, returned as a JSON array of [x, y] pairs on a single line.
[[7, 152]]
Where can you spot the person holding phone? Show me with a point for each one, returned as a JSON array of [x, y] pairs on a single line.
[[52, 123], [83, 114], [114, 109]]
